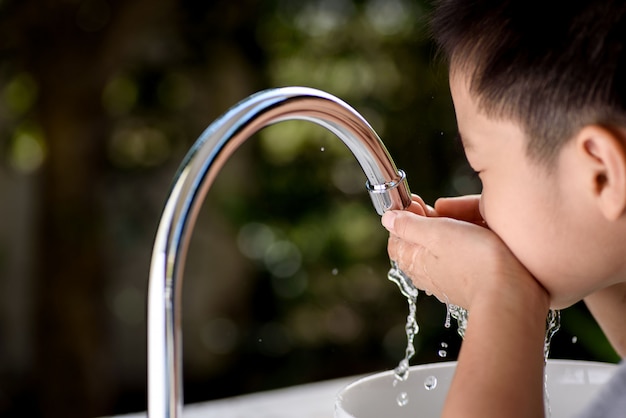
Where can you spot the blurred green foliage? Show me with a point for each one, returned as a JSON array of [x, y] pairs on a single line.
[[286, 277]]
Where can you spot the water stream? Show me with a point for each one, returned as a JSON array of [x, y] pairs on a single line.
[[553, 323], [461, 315], [410, 292]]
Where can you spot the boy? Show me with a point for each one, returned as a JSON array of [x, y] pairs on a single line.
[[539, 91]]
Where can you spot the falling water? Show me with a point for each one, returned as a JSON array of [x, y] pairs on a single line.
[[410, 291], [553, 323], [458, 313], [461, 315], [442, 351]]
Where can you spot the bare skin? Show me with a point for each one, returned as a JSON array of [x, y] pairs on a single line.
[[608, 306], [534, 239], [496, 346]]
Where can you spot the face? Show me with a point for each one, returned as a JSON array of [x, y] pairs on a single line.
[[535, 211]]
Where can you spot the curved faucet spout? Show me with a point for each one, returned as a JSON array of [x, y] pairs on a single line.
[[387, 187]]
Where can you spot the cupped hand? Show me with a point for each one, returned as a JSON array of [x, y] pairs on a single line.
[[448, 251], [462, 208]]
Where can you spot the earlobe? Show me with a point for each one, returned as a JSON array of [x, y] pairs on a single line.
[[605, 159]]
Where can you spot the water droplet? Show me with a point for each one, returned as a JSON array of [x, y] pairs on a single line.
[[430, 382], [335, 271], [442, 353], [402, 399], [322, 149], [448, 316], [574, 339]]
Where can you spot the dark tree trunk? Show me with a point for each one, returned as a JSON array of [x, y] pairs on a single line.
[[71, 52], [71, 49]]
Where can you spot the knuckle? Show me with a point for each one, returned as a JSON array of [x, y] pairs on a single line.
[[401, 225], [392, 246]]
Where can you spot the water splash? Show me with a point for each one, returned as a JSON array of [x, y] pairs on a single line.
[[553, 323], [410, 291], [405, 284], [460, 314]]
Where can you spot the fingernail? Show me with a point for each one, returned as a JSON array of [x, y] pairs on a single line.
[[388, 220]]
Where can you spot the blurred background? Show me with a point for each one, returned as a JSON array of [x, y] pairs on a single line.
[[286, 277]]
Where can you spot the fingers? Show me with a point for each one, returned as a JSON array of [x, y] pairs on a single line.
[[419, 207], [452, 257], [444, 256], [464, 208], [416, 208], [408, 225], [413, 260], [427, 256]]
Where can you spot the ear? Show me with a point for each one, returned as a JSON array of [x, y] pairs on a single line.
[[604, 160]]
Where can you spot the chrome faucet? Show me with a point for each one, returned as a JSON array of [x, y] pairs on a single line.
[[387, 187]]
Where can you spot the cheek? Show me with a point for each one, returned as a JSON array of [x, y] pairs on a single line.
[[522, 224], [540, 236], [512, 220]]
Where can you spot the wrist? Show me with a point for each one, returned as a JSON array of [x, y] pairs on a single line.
[[516, 292], [503, 350]]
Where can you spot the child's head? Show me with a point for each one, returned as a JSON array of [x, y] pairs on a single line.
[[552, 66], [539, 86]]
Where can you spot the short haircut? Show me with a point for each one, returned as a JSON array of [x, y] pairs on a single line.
[[553, 66]]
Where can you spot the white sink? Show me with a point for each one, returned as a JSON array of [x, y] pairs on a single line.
[[570, 386]]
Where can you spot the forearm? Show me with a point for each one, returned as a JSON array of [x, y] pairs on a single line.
[[608, 307], [500, 367]]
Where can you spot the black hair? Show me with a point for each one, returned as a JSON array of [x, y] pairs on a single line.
[[553, 66]]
